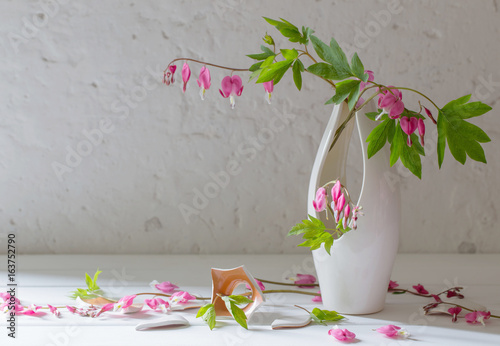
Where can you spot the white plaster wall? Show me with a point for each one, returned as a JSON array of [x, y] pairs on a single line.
[[80, 65]]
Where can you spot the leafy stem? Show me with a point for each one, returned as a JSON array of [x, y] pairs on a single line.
[[206, 63]]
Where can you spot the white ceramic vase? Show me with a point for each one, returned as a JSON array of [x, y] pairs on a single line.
[[355, 277]]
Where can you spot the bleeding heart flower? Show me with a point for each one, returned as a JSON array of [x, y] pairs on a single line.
[[392, 285], [454, 313], [390, 100], [420, 289], [339, 206], [186, 74], [319, 203], [231, 87], [261, 285], [124, 302], [156, 303], [392, 331], [165, 287], [341, 334], [477, 317], [363, 85], [54, 310], [181, 298], [347, 211], [453, 293], [357, 211], [421, 130], [168, 76], [336, 192], [408, 125], [304, 279], [317, 299], [204, 81], [104, 308], [268, 87], [436, 298], [71, 309]]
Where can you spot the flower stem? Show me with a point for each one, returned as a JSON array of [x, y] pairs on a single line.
[[284, 283], [463, 307], [291, 291], [207, 63]]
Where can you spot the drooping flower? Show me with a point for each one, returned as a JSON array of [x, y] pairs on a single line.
[[363, 85], [319, 202], [336, 192], [347, 211], [339, 206], [204, 81], [436, 298], [5, 297], [392, 285], [408, 125], [454, 313], [341, 334], [71, 309], [231, 87], [268, 87], [104, 308], [156, 303], [420, 289], [261, 285], [54, 310], [317, 299], [168, 76], [477, 317], [357, 211], [421, 130], [453, 293], [31, 310], [181, 297], [304, 279], [165, 287], [392, 331], [124, 302], [390, 100], [186, 74]]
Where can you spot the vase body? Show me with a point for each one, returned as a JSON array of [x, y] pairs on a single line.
[[355, 277]]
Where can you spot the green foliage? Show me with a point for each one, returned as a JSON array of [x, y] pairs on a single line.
[[410, 156], [238, 314], [321, 316], [333, 55], [268, 39], [345, 89], [384, 132], [297, 69], [92, 291], [261, 56], [290, 31], [207, 313], [274, 72], [463, 137]]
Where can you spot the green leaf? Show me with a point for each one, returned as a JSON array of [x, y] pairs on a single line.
[[334, 55], [316, 319], [297, 76], [463, 138], [379, 136], [207, 313], [345, 89], [358, 69], [289, 54], [325, 315], [96, 275], [323, 70], [313, 224], [255, 66], [328, 245], [289, 30], [410, 156], [372, 115], [238, 314], [354, 96], [261, 56], [237, 299], [398, 292], [274, 72], [88, 281]]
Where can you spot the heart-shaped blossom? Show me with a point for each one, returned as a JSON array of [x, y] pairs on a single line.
[[304, 279], [409, 125], [181, 297], [157, 304], [420, 289], [390, 101], [124, 302], [319, 202], [104, 308], [261, 285], [392, 331], [363, 85], [204, 81], [231, 86], [454, 312], [268, 87], [165, 287], [317, 299], [392, 285], [453, 293], [339, 206], [168, 76], [336, 192], [53, 310], [71, 309], [347, 211], [186, 74], [341, 334], [477, 317]]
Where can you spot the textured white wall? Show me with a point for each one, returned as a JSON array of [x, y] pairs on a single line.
[[94, 66]]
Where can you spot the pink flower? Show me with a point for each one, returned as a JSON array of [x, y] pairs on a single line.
[[317, 299], [355, 213], [304, 279], [168, 76], [408, 125], [436, 298], [453, 293], [261, 285], [5, 296], [336, 192], [390, 102], [71, 309], [181, 298], [204, 81], [339, 206], [31, 310], [157, 303], [421, 130], [392, 285], [124, 302], [186, 74], [477, 317], [454, 312], [104, 308], [165, 287], [347, 211], [341, 334], [268, 87], [392, 331], [420, 289], [54, 310], [231, 87], [363, 85], [319, 203]]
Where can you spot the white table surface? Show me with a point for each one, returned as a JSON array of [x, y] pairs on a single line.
[[48, 279]]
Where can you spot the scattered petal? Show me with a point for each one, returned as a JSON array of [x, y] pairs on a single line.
[[341, 334]]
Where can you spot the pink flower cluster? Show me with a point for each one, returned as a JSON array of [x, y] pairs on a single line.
[[339, 206], [231, 86]]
